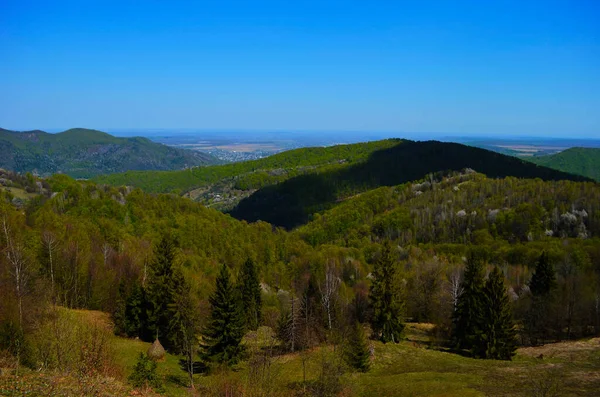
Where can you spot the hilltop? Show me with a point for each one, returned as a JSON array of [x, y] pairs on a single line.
[[83, 153], [577, 160], [293, 202]]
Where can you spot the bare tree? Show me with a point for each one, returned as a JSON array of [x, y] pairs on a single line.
[[328, 289], [19, 269], [455, 286], [19, 265], [50, 244]]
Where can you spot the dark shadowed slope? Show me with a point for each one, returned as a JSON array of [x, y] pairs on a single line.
[[84, 153], [292, 202], [577, 160]]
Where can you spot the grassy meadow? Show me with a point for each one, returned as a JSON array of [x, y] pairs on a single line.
[[409, 368]]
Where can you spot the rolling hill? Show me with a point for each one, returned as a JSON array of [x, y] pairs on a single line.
[[293, 202], [577, 160], [83, 153]]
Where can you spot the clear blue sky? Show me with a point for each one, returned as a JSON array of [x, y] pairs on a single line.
[[456, 67]]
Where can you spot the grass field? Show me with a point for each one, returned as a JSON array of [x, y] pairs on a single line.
[[408, 368]]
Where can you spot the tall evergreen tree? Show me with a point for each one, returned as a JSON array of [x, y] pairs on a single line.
[[164, 285], [469, 307], [119, 314], [542, 286], [185, 327], [356, 351], [225, 329], [249, 287], [136, 311], [498, 337], [384, 294], [543, 280]]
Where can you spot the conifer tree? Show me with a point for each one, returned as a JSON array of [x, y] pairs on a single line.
[[469, 307], [542, 286], [356, 352], [164, 286], [498, 337], [135, 311], [543, 279], [384, 294], [249, 287], [119, 314], [225, 329]]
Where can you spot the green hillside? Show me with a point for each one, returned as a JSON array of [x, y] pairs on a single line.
[[83, 153], [294, 201], [577, 160], [223, 186], [96, 247]]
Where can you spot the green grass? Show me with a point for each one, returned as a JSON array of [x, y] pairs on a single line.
[[408, 368]]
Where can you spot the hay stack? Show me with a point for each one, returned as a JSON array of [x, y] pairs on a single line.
[[156, 352]]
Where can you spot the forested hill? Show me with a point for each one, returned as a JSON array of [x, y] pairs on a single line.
[[577, 160], [224, 185], [83, 153], [291, 203]]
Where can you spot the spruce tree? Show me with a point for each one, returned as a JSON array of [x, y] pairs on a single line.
[[469, 307], [356, 351], [543, 280], [164, 286], [135, 311], [119, 314], [498, 338], [542, 286], [249, 287], [384, 294], [225, 329]]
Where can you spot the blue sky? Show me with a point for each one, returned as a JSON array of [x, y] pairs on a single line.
[[451, 67]]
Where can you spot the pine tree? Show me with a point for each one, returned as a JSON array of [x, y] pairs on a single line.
[[135, 311], [164, 286], [498, 338], [543, 280], [542, 286], [119, 314], [225, 329], [469, 307], [185, 327], [356, 351], [249, 287], [384, 294], [144, 374]]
